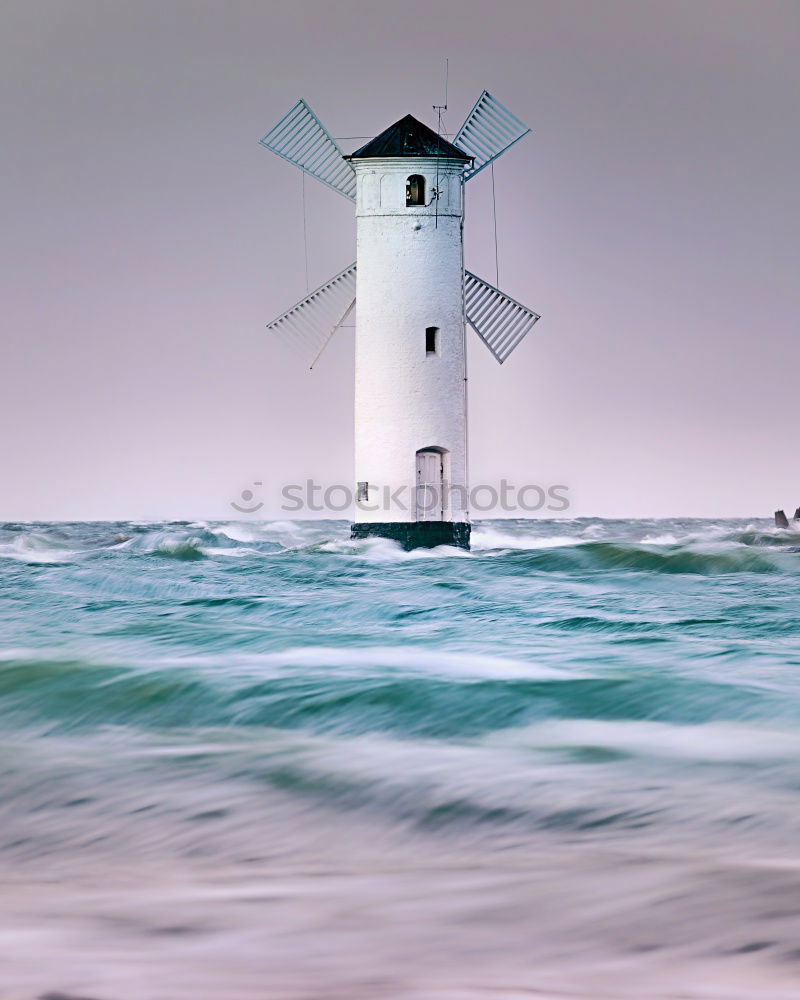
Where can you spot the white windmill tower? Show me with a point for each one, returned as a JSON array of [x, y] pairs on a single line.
[[414, 301]]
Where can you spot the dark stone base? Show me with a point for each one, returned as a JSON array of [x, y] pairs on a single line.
[[416, 534]]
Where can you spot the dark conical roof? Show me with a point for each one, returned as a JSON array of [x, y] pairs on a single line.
[[409, 137]]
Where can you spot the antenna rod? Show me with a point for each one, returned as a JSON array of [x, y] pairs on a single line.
[[443, 107], [439, 108]]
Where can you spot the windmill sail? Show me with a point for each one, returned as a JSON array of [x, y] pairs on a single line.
[[302, 139], [311, 323], [489, 130], [500, 321]]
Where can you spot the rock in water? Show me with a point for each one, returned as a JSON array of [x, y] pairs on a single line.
[[781, 520]]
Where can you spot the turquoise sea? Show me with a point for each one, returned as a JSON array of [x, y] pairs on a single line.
[[256, 760]]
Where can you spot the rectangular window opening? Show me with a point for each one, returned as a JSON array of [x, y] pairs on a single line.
[[432, 340], [415, 190]]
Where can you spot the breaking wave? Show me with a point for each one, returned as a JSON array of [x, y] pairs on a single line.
[[583, 545]]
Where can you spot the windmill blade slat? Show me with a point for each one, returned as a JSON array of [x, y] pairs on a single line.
[[500, 321], [312, 322], [296, 122], [300, 129], [506, 325], [487, 308], [514, 331], [309, 150], [503, 122], [488, 131], [308, 339], [518, 339], [318, 326], [490, 139], [489, 143], [296, 129], [307, 147], [506, 344], [480, 147], [302, 139], [493, 133], [296, 340], [298, 348], [316, 158], [286, 123], [299, 331], [316, 150]]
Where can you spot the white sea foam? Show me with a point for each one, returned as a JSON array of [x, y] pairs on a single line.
[[485, 537], [37, 548], [238, 531], [404, 659], [385, 550], [221, 550], [711, 742]]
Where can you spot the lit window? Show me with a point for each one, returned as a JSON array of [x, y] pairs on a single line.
[[415, 190]]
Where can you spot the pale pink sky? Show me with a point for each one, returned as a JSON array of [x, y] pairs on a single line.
[[651, 218]]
